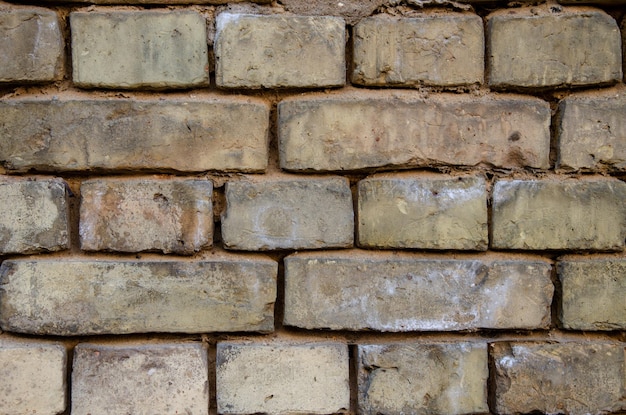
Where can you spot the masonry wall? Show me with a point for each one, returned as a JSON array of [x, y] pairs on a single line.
[[361, 207]]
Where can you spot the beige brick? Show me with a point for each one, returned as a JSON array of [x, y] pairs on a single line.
[[32, 377], [297, 213], [73, 134], [140, 379], [280, 51], [559, 214], [80, 297], [433, 49], [34, 215], [31, 45], [173, 215], [367, 129], [282, 378], [566, 378], [351, 10], [137, 49], [423, 211], [430, 378], [548, 46], [388, 292]]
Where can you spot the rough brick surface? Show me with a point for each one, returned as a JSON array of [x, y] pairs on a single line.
[[31, 45], [132, 49], [567, 378], [282, 378], [388, 293], [32, 377], [34, 215], [351, 10], [255, 51], [141, 379], [360, 130], [413, 379], [174, 215], [76, 297], [559, 214], [288, 214], [423, 211], [445, 50], [97, 134], [547, 46]]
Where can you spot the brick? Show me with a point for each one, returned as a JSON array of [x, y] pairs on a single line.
[[282, 378], [559, 214], [210, 133], [137, 49], [388, 292], [33, 377], [34, 215], [140, 379], [550, 46], [288, 214], [433, 49], [83, 297], [163, 2], [566, 378], [423, 211], [594, 290], [431, 378], [31, 45], [174, 215], [352, 11], [368, 129], [255, 51], [592, 131]]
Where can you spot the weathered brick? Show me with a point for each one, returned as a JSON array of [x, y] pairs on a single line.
[[434, 49], [566, 378], [282, 378], [413, 379], [80, 297], [548, 46], [210, 133], [288, 214], [423, 211], [32, 377], [351, 10], [34, 215], [255, 51], [360, 130], [407, 293], [594, 290], [31, 45], [173, 215], [140, 379], [559, 214], [135, 49]]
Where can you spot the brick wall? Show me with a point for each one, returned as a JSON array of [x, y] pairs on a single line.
[[361, 207]]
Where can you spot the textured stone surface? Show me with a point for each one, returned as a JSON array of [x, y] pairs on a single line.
[[559, 214], [436, 49], [415, 379], [351, 10], [32, 377], [255, 51], [391, 293], [567, 378], [423, 211], [31, 45], [359, 130], [288, 214], [34, 215], [173, 215], [282, 378], [133, 49], [210, 133], [141, 379], [546, 46], [76, 297]]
